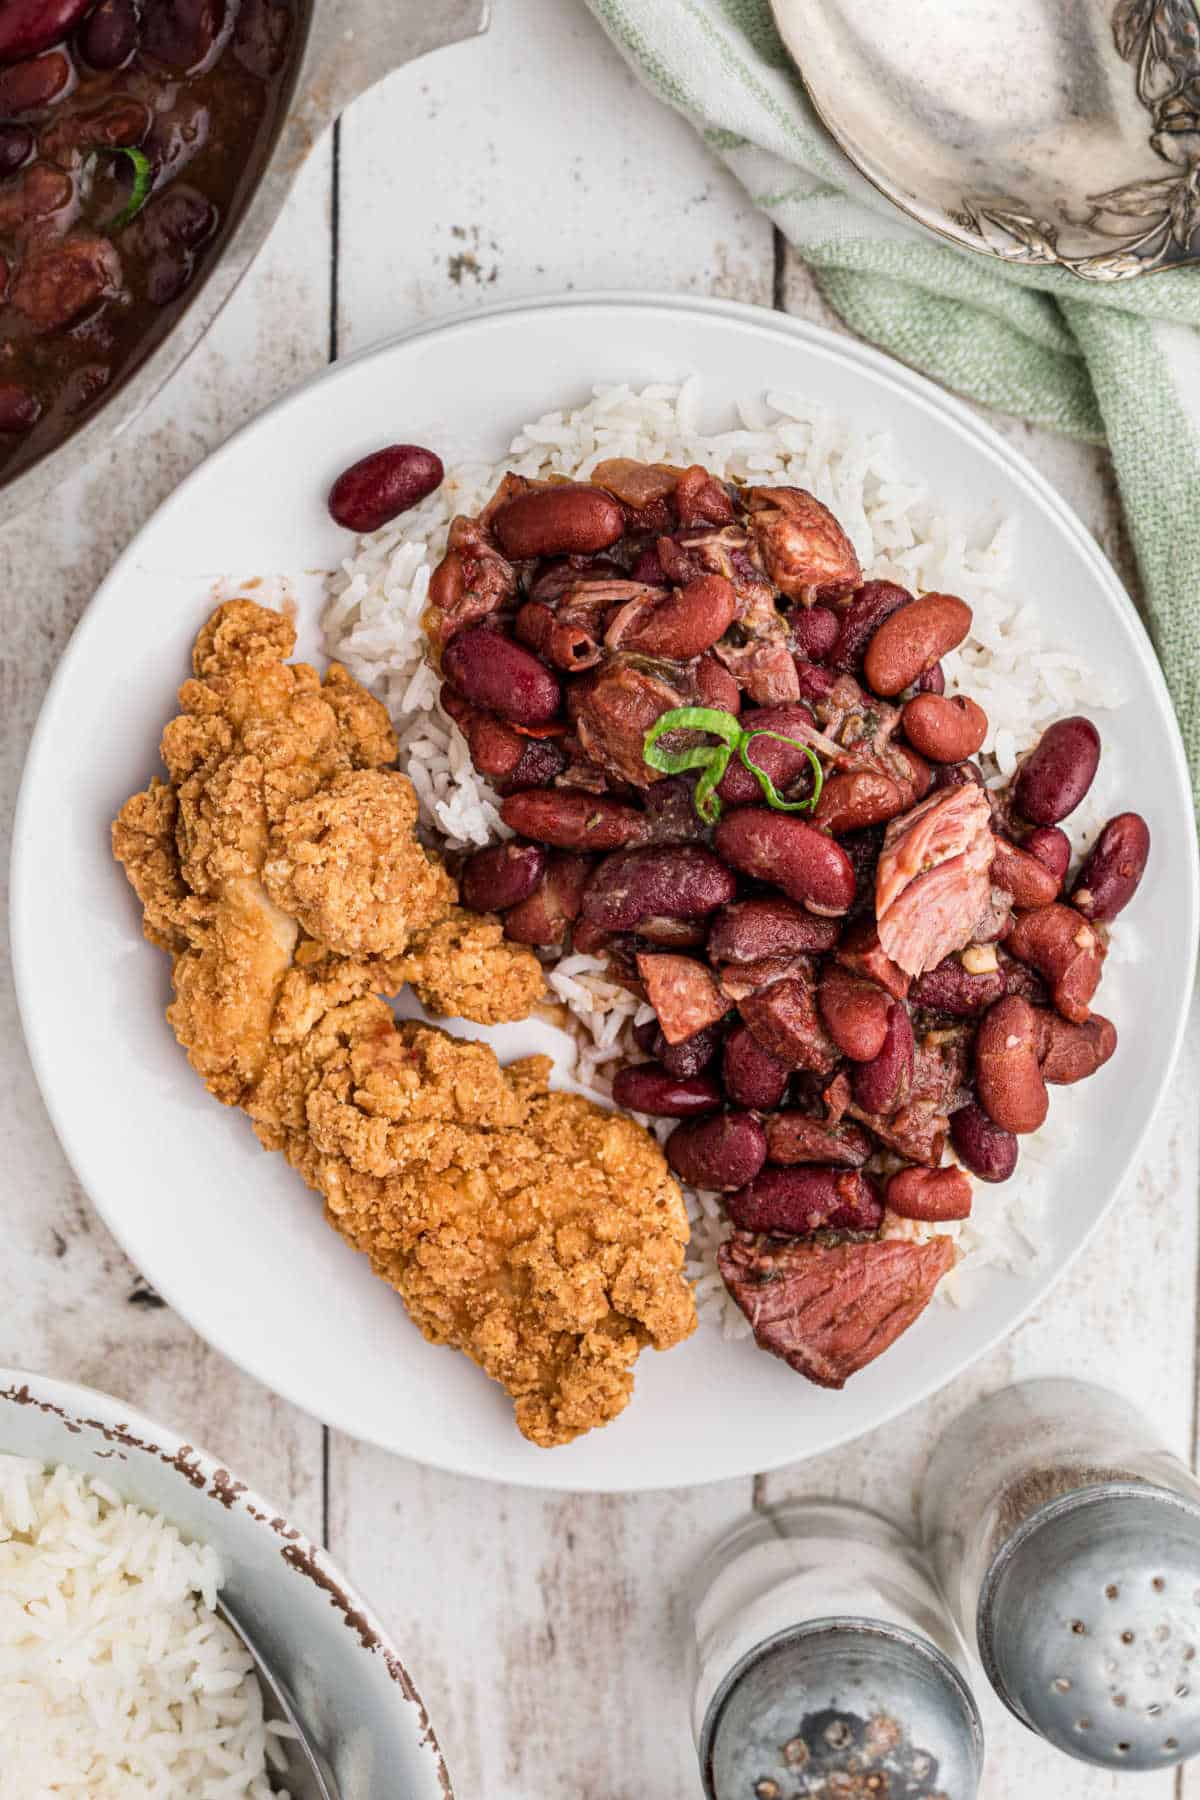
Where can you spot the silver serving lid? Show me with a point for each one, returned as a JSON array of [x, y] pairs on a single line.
[[1089, 1625], [818, 1710]]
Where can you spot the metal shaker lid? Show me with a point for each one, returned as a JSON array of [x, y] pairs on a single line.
[[1089, 1625], [820, 1709]]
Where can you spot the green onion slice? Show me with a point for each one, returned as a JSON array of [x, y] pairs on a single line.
[[143, 176], [714, 759], [764, 780]]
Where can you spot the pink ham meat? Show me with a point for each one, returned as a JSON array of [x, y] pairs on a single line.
[[683, 993], [829, 1310], [933, 883]]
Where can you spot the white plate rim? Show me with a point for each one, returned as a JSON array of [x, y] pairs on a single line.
[[890, 373]]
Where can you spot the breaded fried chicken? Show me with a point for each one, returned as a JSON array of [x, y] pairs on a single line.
[[282, 826], [536, 1232], [280, 868]]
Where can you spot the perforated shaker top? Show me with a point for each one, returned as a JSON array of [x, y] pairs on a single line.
[[1089, 1625]]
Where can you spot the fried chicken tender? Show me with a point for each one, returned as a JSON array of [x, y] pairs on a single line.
[[282, 826], [279, 867], [536, 1232]]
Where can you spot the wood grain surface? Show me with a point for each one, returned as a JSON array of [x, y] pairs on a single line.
[[547, 1633]]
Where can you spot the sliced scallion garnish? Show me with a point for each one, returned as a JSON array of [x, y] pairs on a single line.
[[714, 759]]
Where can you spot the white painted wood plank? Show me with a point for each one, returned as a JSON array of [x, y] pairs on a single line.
[[547, 1632], [530, 162], [67, 1286]]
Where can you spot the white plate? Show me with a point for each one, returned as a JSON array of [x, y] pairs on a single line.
[[228, 1234]]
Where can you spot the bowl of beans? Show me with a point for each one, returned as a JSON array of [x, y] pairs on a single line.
[[146, 147]]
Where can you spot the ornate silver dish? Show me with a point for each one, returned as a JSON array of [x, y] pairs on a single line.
[[1053, 132]]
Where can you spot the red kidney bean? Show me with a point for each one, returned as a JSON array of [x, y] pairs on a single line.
[[182, 33], [781, 849], [538, 764], [913, 640], [797, 1202], [1068, 1053], [852, 800], [381, 486], [675, 934], [568, 519], [752, 929], [571, 820], [545, 917], [952, 775], [855, 1013], [678, 881], [1065, 950], [16, 148], [932, 681], [933, 1195], [502, 876], [108, 36], [1007, 1076], [987, 1150], [796, 1137], [644, 1036], [784, 763], [722, 1153], [648, 569], [946, 731], [19, 409], [874, 602], [30, 26], [690, 1057], [1058, 771], [649, 1088], [815, 631], [495, 673], [686, 622], [883, 1084], [1113, 868], [29, 86], [1052, 848], [716, 687], [1025, 877], [567, 646], [752, 1076], [950, 988], [496, 749]]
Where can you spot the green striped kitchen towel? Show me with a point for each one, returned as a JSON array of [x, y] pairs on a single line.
[[1118, 363]]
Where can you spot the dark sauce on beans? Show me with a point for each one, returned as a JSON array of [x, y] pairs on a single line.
[[87, 286]]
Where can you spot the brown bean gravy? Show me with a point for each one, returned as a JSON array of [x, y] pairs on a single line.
[[128, 145]]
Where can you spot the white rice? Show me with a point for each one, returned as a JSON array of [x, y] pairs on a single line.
[[117, 1678], [1023, 681]]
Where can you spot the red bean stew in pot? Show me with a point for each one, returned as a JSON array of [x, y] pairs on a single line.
[[734, 773], [130, 133]]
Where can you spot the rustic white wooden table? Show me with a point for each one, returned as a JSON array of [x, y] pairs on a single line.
[[545, 1631]]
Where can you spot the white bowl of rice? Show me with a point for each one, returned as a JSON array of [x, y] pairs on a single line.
[[118, 1678]]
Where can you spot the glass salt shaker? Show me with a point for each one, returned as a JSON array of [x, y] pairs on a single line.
[[1066, 1541], [822, 1662]]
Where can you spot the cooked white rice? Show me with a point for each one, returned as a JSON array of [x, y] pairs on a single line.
[[117, 1678], [1023, 681]]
